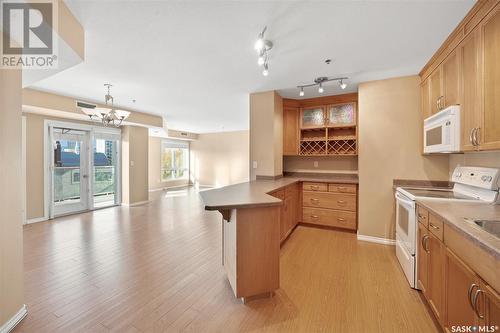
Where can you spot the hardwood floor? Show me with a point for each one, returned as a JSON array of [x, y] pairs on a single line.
[[157, 268]]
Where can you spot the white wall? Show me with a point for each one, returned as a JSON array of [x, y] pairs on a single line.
[[219, 159]]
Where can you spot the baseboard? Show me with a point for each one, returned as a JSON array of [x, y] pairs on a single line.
[[135, 203], [16, 319], [37, 219], [378, 240], [169, 187]]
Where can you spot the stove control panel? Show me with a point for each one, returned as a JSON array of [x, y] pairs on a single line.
[[487, 178]]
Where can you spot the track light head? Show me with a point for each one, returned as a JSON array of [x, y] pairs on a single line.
[[265, 72], [342, 85], [301, 93], [320, 89]]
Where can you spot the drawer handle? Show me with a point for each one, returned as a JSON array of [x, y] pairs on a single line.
[[424, 243], [341, 202], [340, 219], [434, 226], [314, 187], [342, 188], [314, 200], [314, 216]]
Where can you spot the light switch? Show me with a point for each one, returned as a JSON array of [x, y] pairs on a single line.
[[131, 163], [254, 164]]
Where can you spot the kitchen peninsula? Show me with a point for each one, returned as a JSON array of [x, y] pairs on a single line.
[[258, 216]]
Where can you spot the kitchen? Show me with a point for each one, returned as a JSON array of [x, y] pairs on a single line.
[[446, 231], [274, 166]]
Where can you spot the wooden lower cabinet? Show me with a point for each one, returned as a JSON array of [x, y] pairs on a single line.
[[461, 283], [330, 205], [435, 288], [423, 258], [457, 295]]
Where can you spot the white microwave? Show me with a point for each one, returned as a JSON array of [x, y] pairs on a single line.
[[442, 131]]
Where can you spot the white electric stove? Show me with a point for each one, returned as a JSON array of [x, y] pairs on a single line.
[[471, 184]]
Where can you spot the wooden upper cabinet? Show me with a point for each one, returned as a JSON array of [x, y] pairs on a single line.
[[451, 80], [461, 284], [290, 131], [470, 53], [314, 117], [426, 100], [489, 133], [341, 115], [435, 90]]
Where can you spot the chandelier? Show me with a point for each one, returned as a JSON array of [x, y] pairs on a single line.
[[263, 46], [107, 115]]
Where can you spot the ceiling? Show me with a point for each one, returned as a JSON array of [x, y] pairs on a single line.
[[193, 62]]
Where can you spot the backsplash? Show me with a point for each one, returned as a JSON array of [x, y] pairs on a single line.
[[483, 159], [325, 164]]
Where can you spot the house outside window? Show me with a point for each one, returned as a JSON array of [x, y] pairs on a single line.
[[174, 160]]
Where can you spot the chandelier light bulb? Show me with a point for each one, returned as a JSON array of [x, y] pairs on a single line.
[[342, 85], [265, 72], [259, 44], [301, 93], [320, 89], [261, 60]]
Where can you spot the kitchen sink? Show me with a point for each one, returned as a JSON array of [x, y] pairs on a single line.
[[490, 226]]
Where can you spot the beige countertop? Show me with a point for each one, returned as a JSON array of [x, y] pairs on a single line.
[[254, 193], [454, 213]]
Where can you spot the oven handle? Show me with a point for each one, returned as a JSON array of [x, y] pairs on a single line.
[[402, 199]]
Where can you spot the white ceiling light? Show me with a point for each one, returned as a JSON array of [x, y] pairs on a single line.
[[107, 116], [263, 46], [319, 82], [265, 72]]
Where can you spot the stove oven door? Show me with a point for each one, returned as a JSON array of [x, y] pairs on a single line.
[[406, 222]]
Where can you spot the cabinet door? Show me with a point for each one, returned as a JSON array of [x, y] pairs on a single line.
[[341, 115], [290, 131], [435, 90], [451, 79], [489, 134], [312, 117], [470, 53], [490, 310], [461, 284], [435, 289], [423, 259], [426, 101]]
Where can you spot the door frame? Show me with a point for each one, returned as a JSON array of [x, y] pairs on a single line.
[[48, 162]]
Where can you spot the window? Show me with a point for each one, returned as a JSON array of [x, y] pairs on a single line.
[[174, 160]]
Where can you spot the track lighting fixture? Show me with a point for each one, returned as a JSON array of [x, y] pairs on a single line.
[[262, 46], [319, 82]]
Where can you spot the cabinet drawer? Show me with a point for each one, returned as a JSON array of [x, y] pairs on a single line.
[[320, 187], [342, 188], [436, 226], [423, 216], [330, 201], [328, 217]]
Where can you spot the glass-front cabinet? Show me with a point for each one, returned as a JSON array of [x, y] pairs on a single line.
[[312, 117], [341, 115]]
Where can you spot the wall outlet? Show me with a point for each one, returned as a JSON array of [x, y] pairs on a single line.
[[316, 164], [254, 164], [131, 163]]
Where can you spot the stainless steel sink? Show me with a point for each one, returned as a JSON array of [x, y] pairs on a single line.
[[490, 226]]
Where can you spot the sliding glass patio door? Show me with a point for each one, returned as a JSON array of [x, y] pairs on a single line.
[[70, 170], [84, 168]]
